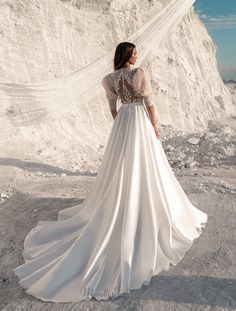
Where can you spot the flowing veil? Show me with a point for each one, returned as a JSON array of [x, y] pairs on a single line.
[[27, 104]]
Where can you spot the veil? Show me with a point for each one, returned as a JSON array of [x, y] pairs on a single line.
[[25, 105]]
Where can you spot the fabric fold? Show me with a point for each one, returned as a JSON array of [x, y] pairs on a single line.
[[135, 223]]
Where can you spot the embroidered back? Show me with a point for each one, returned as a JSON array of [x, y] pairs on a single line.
[[130, 85], [122, 81]]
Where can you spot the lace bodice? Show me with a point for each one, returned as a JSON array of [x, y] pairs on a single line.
[[128, 84]]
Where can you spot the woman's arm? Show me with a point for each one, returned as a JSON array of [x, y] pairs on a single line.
[[152, 114], [111, 95], [142, 83], [153, 118]]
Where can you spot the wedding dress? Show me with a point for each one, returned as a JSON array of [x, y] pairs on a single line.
[[135, 222]]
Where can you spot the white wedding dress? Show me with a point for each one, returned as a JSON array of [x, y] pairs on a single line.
[[135, 222]]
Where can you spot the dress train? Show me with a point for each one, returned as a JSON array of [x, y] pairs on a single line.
[[135, 222]]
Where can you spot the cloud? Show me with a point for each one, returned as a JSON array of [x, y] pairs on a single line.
[[219, 22], [228, 72], [228, 69], [199, 12]]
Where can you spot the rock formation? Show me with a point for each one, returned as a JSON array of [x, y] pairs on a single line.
[[42, 40]]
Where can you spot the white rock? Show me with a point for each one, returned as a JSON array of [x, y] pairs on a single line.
[[188, 90], [193, 141]]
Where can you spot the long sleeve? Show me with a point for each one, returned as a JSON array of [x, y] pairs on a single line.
[[142, 84], [110, 92]]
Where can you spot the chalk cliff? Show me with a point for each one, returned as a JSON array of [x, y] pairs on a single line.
[[43, 40]]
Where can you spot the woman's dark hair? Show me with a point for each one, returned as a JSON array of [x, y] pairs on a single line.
[[123, 53]]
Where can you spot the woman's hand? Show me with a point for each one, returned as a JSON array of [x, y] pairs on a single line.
[[114, 113], [157, 132]]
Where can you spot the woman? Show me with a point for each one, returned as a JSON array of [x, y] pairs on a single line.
[[136, 220], [125, 55]]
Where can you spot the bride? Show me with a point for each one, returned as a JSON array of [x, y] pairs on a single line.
[[136, 220]]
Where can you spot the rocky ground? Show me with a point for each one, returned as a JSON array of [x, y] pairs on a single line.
[[231, 85], [214, 147], [204, 163]]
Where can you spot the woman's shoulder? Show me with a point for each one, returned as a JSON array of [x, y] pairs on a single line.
[[110, 75], [142, 69], [141, 72], [106, 78]]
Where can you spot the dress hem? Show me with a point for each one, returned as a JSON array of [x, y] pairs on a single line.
[[144, 283]]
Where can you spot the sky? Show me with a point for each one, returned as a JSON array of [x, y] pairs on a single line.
[[219, 17]]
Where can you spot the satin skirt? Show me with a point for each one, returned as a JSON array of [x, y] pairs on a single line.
[[135, 222]]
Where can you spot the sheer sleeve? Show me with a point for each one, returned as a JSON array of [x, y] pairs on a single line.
[[110, 92], [142, 84]]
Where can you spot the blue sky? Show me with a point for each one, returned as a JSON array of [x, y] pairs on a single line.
[[219, 18]]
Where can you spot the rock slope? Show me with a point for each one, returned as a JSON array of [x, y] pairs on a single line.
[[43, 40]]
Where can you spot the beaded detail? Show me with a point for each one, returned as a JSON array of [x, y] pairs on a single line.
[[130, 85]]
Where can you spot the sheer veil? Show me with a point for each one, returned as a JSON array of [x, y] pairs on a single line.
[[26, 104]]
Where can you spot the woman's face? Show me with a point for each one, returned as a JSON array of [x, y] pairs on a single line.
[[134, 56]]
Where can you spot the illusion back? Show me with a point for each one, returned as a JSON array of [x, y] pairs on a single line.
[[130, 85]]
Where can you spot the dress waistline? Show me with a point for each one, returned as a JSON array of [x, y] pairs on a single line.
[[135, 103]]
